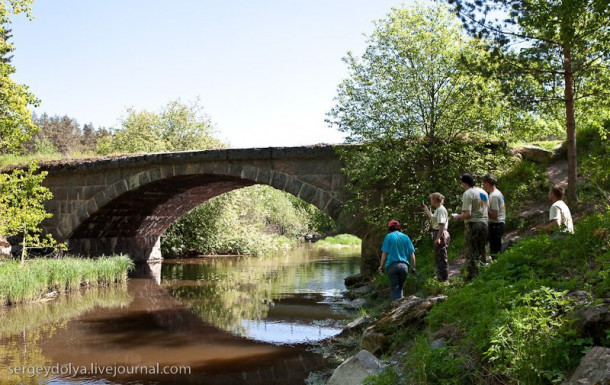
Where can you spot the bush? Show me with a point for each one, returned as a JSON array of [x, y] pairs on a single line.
[[252, 220], [514, 319]]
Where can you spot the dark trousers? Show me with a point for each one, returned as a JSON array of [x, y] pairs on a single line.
[[440, 255], [476, 240], [397, 273], [496, 230]]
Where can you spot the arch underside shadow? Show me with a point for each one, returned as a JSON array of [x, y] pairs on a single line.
[[133, 222]]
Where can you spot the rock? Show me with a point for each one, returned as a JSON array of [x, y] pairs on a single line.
[[593, 322], [355, 326], [355, 304], [579, 297], [534, 153], [407, 311], [355, 280], [404, 312], [363, 290], [355, 369], [594, 368], [438, 343], [5, 247], [374, 341], [561, 150]]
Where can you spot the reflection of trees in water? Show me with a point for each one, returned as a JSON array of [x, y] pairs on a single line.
[[23, 326], [226, 290]]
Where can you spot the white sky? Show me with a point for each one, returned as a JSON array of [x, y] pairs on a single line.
[[265, 71]]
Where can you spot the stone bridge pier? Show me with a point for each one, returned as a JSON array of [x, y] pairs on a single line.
[[124, 204]]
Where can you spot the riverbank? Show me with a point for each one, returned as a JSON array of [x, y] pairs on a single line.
[[526, 318], [38, 278]]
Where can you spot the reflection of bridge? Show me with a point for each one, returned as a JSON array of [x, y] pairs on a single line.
[[123, 205]]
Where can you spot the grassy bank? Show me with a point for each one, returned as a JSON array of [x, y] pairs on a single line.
[[514, 323], [341, 240], [41, 276]]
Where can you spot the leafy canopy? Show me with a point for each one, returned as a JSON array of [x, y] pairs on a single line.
[[410, 83]]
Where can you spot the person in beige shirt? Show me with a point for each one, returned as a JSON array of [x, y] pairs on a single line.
[[440, 234], [475, 203], [560, 217]]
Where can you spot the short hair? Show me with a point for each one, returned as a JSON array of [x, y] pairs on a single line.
[[468, 179], [491, 179], [437, 197], [558, 191]]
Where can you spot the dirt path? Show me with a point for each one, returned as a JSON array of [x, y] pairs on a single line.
[[557, 173]]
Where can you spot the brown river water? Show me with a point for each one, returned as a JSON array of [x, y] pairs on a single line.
[[223, 320]]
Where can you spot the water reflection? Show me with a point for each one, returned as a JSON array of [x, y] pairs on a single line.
[[141, 325], [282, 298]]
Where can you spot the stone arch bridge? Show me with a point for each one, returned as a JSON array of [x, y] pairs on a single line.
[[124, 204]]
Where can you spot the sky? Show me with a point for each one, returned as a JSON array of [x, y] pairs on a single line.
[[265, 71]]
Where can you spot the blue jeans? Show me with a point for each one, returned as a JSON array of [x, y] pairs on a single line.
[[397, 273]]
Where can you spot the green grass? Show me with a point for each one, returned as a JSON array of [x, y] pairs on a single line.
[[339, 240], [40, 276]]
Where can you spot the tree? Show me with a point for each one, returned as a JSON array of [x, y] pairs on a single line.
[[410, 83], [564, 46], [62, 132], [177, 127], [423, 118], [22, 198], [16, 125]]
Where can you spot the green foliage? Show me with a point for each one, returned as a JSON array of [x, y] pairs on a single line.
[[16, 125], [594, 146], [339, 240], [410, 83], [524, 334], [21, 283], [390, 180], [386, 377], [177, 127], [22, 198], [252, 220]]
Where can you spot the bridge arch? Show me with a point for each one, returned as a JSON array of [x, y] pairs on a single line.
[[123, 205]]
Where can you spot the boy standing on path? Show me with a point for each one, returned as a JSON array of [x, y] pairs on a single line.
[[496, 213], [475, 203], [440, 234]]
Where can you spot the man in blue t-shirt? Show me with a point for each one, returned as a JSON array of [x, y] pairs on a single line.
[[397, 254]]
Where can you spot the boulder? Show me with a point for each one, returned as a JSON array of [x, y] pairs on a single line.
[[363, 290], [355, 369], [355, 326], [593, 322], [355, 304], [355, 280], [374, 341], [594, 368], [534, 153], [408, 311]]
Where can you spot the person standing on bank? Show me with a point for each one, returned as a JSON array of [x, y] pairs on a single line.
[[560, 216], [475, 202], [440, 234], [496, 214], [397, 255]]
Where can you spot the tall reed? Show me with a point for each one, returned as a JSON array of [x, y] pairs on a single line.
[[41, 276]]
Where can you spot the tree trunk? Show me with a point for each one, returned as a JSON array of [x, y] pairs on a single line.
[[570, 123]]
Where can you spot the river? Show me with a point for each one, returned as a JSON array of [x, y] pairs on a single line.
[[212, 320]]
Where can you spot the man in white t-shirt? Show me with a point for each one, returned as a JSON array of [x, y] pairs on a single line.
[[496, 213], [475, 204], [560, 217]]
